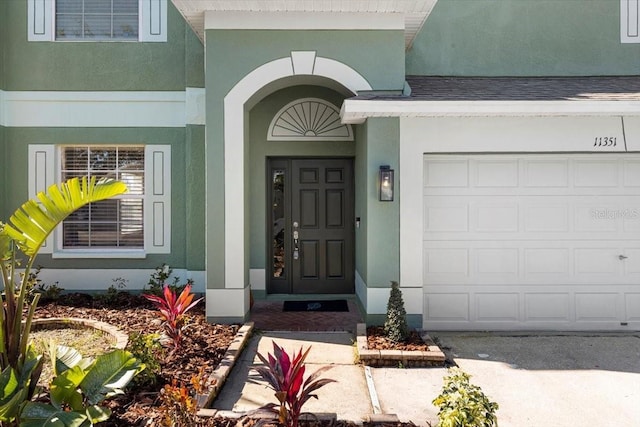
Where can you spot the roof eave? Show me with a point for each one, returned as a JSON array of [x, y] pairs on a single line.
[[356, 111]]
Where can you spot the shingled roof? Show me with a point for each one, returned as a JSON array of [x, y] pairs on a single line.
[[619, 88]]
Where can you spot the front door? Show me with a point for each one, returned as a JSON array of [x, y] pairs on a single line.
[[311, 233]]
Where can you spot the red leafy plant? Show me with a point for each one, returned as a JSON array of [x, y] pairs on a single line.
[[285, 375], [173, 309]]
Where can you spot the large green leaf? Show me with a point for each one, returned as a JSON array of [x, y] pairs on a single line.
[[64, 388], [40, 415], [97, 414], [109, 375], [63, 358], [12, 394], [32, 223]]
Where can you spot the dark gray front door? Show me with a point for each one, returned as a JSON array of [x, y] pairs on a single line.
[[312, 235]]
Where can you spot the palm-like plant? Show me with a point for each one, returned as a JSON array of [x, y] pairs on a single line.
[[29, 227]]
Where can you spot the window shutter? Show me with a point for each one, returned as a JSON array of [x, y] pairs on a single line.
[[157, 224], [40, 20], [41, 176], [153, 20], [630, 21]]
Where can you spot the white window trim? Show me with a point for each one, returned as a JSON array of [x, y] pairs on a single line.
[[44, 170], [630, 21], [152, 20]]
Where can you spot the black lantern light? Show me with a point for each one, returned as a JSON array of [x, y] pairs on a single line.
[[386, 183]]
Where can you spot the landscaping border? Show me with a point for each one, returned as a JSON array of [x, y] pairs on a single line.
[[410, 359], [121, 339]]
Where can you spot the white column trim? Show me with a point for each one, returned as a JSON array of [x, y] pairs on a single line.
[[234, 103]]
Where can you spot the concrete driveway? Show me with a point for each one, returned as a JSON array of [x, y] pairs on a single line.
[[537, 379]]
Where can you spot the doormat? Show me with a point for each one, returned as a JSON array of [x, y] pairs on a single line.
[[316, 305]]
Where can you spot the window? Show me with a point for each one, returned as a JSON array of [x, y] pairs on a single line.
[[137, 222], [113, 223], [97, 20]]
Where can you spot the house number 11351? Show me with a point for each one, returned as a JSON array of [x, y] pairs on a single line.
[[604, 141]]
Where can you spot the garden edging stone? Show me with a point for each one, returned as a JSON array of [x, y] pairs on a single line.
[[219, 375], [381, 358]]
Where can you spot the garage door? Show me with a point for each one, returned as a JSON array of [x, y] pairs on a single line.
[[532, 242]]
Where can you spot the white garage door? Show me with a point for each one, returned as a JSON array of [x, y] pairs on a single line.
[[532, 242]]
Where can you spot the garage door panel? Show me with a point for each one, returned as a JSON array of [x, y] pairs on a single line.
[[546, 173], [547, 261], [602, 261], [495, 218], [446, 173], [533, 241], [496, 173], [547, 307], [447, 307], [445, 217], [632, 307], [591, 307], [497, 307], [631, 175]]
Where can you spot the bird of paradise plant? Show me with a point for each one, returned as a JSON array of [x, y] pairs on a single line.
[[285, 375], [20, 242]]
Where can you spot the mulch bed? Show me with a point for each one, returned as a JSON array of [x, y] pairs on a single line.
[[204, 345], [377, 340]]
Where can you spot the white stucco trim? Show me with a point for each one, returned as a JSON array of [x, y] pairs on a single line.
[[195, 109], [234, 102], [258, 278], [227, 303], [102, 109], [294, 20], [74, 279], [356, 111]]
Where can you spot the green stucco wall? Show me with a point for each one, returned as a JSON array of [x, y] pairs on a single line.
[[97, 66], [259, 119], [523, 38], [3, 38], [378, 239], [230, 56], [186, 181]]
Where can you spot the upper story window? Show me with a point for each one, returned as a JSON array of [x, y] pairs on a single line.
[[97, 20]]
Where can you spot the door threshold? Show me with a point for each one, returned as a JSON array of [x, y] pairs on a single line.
[[301, 297]]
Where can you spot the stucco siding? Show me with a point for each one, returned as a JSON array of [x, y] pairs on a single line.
[[523, 38]]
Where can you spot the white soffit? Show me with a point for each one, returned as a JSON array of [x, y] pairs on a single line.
[[357, 111], [358, 13]]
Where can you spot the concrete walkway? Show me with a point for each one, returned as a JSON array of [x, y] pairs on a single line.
[[538, 380]]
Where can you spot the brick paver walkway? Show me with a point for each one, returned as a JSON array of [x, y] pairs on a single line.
[[268, 316]]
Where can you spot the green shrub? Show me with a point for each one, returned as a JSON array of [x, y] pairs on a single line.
[[395, 325], [148, 350], [463, 404]]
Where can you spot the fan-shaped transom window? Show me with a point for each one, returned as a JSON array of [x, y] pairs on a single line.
[[309, 119]]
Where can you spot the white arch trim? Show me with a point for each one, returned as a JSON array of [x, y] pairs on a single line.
[[299, 63]]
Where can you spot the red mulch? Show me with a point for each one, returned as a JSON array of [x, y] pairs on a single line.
[[204, 345], [377, 340]]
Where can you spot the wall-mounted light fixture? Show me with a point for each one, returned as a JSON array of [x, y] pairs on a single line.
[[386, 183]]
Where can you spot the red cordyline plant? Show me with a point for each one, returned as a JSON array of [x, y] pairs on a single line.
[[173, 309], [285, 375]]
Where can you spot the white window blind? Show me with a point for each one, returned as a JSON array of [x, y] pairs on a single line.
[[630, 21], [113, 223]]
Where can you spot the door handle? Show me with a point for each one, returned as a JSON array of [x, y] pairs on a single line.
[[296, 246], [622, 257]]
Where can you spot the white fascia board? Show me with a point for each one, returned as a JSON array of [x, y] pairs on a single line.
[[357, 111], [239, 20], [93, 109]]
